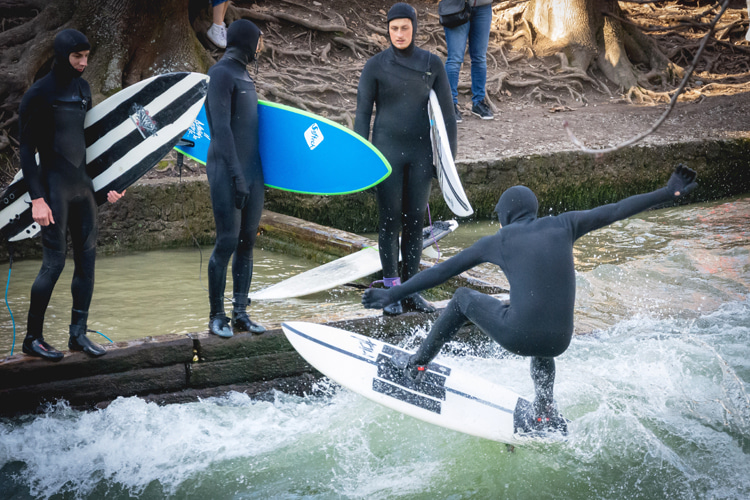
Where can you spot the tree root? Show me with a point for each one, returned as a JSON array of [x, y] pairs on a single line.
[[673, 101], [277, 16]]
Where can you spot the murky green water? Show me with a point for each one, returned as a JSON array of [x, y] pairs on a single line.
[[657, 394], [155, 293]]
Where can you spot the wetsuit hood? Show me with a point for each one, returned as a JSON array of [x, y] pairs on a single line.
[[403, 10], [242, 41], [516, 203], [67, 42]]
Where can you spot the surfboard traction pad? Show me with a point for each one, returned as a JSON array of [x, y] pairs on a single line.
[[393, 382], [438, 229]]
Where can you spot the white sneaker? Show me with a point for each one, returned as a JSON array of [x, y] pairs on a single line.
[[218, 35]]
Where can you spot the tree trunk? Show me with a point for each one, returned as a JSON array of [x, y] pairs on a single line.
[[581, 30]]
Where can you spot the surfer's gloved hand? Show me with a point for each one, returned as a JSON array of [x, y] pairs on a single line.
[[682, 181], [376, 298], [241, 193]]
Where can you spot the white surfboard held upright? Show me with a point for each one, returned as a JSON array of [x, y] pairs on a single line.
[[446, 397], [442, 158]]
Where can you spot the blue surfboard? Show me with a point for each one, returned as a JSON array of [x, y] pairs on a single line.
[[302, 152]]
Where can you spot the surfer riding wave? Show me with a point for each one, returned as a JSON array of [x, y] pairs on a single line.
[[536, 255]]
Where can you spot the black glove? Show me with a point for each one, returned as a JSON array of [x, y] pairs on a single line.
[[376, 298], [241, 193], [682, 181]]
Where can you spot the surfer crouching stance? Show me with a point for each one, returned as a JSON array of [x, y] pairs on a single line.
[[536, 255], [398, 81], [51, 122], [235, 177]]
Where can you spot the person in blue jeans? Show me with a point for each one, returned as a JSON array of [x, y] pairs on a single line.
[[477, 33]]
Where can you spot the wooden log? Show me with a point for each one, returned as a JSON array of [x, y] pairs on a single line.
[[87, 391], [149, 352], [244, 370]]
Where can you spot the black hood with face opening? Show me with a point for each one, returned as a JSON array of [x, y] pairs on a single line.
[[67, 42], [242, 41], [516, 204]]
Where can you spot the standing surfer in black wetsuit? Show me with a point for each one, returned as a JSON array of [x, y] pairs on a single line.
[[536, 256], [51, 118], [398, 81], [235, 176]]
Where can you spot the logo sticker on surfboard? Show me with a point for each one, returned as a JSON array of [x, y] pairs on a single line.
[[197, 131], [143, 121], [313, 136]]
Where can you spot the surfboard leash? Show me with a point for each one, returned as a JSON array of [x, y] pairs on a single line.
[[100, 333], [180, 161], [7, 286]]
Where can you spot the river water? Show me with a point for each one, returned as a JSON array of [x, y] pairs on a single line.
[[656, 389]]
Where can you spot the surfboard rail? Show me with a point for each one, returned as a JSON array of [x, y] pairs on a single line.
[[448, 179]]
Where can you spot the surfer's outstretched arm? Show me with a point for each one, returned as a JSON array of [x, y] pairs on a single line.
[[680, 183], [378, 298]]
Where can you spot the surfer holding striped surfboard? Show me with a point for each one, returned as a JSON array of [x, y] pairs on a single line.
[[52, 116], [85, 157]]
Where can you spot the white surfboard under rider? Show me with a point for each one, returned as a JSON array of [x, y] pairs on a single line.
[[447, 397]]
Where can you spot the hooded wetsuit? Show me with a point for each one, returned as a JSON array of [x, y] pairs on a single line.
[[233, 166], [398, 83], [51, 119], [536, 256]]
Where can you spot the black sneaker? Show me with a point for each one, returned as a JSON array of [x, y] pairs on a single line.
[[482, 111], [456, 111]]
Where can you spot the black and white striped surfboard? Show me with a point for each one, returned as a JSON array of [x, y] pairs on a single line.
[[126, 135]]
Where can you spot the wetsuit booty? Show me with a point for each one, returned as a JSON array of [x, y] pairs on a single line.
[[393, 309], [416, 303], [404, 362], [241, 322], [396, 308], [36, 346], [80, 342], [546, 417], [219, 325]]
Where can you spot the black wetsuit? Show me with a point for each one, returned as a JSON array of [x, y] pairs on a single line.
[[536, 255], [51, 119], [398, 82], [234, 169]]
